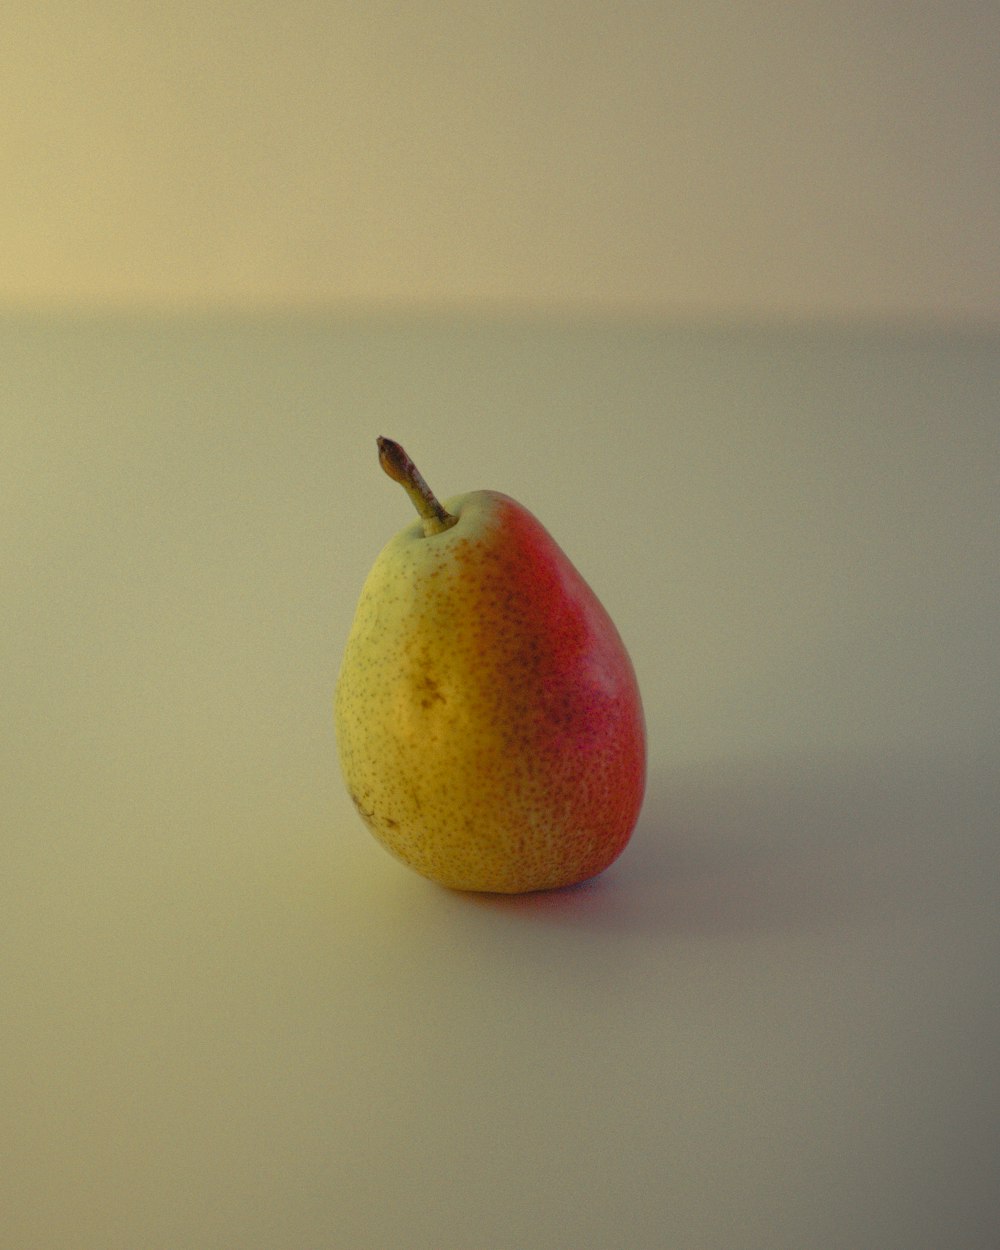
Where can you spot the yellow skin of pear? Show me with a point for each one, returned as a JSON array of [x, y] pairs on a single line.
[[488, 720]]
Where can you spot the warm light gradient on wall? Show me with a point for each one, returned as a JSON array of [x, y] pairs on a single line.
[[835, 158]]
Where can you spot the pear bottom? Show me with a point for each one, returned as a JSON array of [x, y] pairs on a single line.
[[487, 840]]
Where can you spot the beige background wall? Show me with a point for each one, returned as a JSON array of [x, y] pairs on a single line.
[[769, 158]]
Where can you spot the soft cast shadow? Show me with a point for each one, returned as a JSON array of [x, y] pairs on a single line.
[[751, 847]]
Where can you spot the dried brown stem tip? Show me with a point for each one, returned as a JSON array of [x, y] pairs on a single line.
[[398, 465]]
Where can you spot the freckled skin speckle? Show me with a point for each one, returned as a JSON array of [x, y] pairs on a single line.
[[488, 720]]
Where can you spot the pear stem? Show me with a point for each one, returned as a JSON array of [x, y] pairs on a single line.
[[398, 465]]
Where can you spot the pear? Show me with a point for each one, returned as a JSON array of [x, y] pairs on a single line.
[[488, 719]]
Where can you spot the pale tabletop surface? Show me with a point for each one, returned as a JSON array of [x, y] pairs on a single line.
[[231, 1022]]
